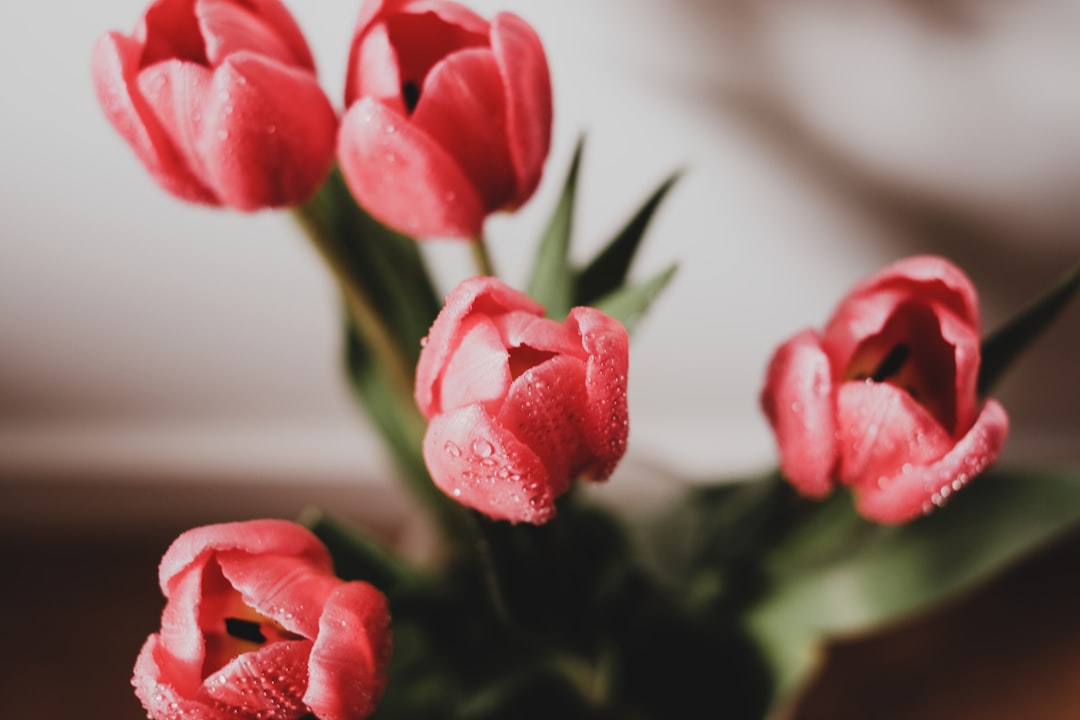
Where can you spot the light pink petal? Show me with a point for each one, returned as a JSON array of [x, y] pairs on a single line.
[[269, 133], [606, 425], [403, 177], [483, 466], [798, 402], [177, 92], [964, 337], [463, 109], [230, 27], [251, 684], [478, 372], [154, 681], [906, 495], [349, 662], [527, 86], [881, 429], [858, 318], [548, 410], [181, 633], [485, 295], [373, 70], [258, 537], [287, 589], [115, 67], [275, 14]]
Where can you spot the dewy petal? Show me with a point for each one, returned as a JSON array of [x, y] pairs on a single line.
[[115, 67], [153, 680], [798, 402], [462, 108], [483, 466], [288, 590], [269, 133], [270, 537], [478, 372], [966, 343], [527, 85], [487, 295], [880, 430], [250, 685], [606, 425], [403, 177], [181, 635], [229, 27], [906, 495], [176, 91], [519, 329], [349, 662], [547, 409]]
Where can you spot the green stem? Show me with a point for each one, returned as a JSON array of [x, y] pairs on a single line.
[[362, 310], [482, 258]]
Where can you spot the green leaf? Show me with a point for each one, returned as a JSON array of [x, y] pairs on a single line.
[[885, 573], [1009, 341], [551, 283], [608, 270], [356, 556], [629, 303]]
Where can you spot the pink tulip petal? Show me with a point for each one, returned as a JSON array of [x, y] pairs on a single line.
[[485, 295], [798, 402], [373, 70], [403, 177], [277, 16], [880, 429], [258, 537], [177, 91], [548, 410], [181, 634], [527, 86], [463, 109], [483, 466], [907, 495], [349, 661], [115, 68], [250, 686], [269, 133], [229, 27], [479, 370], [285, 589], [925, 279], [153, 680], [524, 329], [605, 429]]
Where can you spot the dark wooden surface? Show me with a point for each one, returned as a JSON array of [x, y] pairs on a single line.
[[76, 610]]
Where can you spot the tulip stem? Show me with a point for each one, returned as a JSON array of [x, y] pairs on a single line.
[[482, 258]]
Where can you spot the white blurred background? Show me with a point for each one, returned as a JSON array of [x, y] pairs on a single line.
[[145, 341]]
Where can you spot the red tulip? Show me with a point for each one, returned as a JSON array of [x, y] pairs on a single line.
[[257, 626], [884, 400], [519, 404], [219, 100], [449, 115]]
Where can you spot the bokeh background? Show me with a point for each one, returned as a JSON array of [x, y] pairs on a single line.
[[163, 364]]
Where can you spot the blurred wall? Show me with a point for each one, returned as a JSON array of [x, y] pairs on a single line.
[[143, 338]]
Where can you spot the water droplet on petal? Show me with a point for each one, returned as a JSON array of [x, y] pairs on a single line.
[[451, 449], [482, 448]]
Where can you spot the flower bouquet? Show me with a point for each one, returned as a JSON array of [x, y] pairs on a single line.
[[503, 408]]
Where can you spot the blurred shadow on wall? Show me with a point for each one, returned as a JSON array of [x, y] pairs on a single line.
[[951, 125]]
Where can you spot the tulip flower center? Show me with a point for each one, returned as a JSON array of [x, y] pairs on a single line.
[[524, 358], [420, 41], [911, 354], [230, 627]]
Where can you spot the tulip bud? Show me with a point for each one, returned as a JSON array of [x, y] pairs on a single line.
[[258, 626], [884, 399], [520, 404], [448, 115], [220, 102]]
